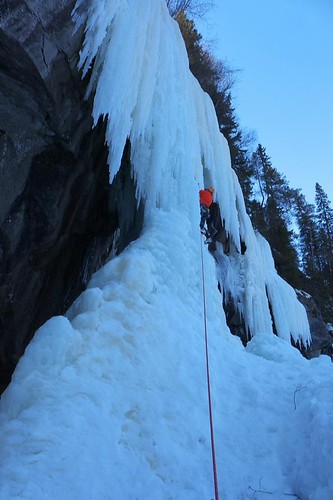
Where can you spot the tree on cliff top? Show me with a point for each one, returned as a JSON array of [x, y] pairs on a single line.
[[196, 8]]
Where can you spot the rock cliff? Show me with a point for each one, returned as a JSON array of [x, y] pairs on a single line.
[[59, 218]]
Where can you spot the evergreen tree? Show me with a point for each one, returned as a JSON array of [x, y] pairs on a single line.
[[308, 237], [315, 258], [324, 216]]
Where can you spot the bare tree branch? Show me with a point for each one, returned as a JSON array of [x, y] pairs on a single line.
[[196, 8]]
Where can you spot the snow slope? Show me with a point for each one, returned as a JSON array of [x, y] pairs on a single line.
[[110, 402]]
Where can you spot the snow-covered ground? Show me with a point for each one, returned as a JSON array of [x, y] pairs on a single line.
[[110, 402]]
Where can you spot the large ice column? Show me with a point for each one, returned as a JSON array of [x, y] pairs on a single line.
[[143, 85], [141, 81]]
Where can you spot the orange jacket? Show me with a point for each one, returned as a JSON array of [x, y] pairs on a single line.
[[206, 197]]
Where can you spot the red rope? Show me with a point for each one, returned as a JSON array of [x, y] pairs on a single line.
[[216, 486]]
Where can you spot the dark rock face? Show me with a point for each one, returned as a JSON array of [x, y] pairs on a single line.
[[322, 335], [58, 214]]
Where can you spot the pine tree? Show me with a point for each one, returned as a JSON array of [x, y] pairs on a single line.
[[324, 216], [308, 237], [312, 222]]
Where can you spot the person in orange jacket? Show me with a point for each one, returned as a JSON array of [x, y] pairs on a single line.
[[206, 199]]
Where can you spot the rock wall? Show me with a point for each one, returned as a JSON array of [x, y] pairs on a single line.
[[60, 220], [321, 332]]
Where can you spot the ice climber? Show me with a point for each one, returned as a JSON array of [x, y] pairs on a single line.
[[206, 199]]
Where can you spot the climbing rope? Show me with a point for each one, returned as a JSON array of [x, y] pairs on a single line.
[[216, 486]]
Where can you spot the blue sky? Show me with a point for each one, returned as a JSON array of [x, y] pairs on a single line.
[[283, 50]]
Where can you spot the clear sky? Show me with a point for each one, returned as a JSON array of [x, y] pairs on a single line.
[[283, 50]]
